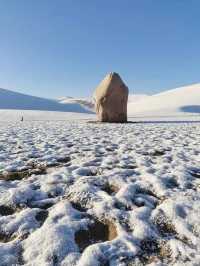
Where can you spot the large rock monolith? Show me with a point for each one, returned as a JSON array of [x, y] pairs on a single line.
[[111, 97]]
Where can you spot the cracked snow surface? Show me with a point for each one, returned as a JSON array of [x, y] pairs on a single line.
[[91, 194]]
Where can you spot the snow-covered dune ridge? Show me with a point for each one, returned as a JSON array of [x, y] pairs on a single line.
[[180, 101], [87, 103], [18, 101], [137, 97]]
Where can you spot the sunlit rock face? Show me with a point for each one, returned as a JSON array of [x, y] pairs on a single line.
[[111, 97]]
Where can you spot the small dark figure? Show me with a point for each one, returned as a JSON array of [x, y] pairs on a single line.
[[22, 119]]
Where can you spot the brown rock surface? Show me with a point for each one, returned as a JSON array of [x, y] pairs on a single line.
[[111, 97]]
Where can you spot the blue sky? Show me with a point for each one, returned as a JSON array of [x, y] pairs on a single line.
[[55, 48]]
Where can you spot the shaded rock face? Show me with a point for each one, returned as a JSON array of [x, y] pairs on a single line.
[[111, 97]]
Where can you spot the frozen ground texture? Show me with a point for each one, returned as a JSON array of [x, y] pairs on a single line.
[[90, 194]]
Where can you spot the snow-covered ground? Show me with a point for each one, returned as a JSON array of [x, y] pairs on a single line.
[[88, 194], [33, 115]]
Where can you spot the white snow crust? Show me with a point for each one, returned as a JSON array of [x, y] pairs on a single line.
[[57, 178]]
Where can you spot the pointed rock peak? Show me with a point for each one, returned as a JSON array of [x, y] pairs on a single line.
[[113, 75], [110, 78], [111, 98]]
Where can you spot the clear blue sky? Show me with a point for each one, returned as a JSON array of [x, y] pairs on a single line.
[[65, 47]]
